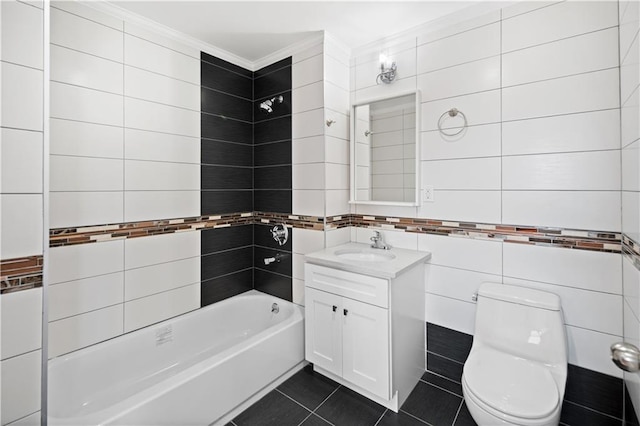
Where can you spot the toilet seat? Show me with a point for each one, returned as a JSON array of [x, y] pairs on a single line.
[[494, 380]]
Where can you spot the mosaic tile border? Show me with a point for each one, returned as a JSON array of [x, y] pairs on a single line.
[[631, 250], [20, 273], [25, 273], [601, 241]]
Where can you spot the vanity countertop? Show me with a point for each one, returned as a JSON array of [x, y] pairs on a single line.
[[403, 260]]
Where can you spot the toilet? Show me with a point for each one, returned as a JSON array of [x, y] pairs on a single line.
[[517, 367]]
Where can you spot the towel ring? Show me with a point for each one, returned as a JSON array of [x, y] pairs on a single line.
[[453, 112]]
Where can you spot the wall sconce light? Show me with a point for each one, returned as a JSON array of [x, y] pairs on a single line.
[[387, 70]]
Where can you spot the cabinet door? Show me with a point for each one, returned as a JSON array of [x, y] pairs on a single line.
[[323, 330], [365, 343]]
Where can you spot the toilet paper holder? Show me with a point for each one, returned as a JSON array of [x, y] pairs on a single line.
[[626, 356]]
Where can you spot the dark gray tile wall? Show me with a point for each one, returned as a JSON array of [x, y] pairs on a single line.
[[591, 398], [272, 139], [226, 137], [246, 166], [275, 278]]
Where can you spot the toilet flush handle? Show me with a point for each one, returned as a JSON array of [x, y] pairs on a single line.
[[626, 356]]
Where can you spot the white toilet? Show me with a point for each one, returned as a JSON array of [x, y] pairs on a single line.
[[517, 368]]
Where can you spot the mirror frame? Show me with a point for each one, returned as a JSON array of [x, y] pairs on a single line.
[[352, 151]]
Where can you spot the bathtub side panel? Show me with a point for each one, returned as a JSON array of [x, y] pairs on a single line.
[[210, 395]]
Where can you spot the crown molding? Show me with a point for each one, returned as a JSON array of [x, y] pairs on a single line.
[[148, 24], [289, 50]]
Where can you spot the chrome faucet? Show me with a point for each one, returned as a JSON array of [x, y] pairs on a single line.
[[378, 241]]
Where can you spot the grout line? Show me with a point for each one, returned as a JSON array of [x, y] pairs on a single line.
[[305, 419], [414, 417], [459, 408], [443, 389], [287, 396], [592, 410], [381, 416]]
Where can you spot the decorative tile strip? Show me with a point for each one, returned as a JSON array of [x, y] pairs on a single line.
[[91, 234], [631, 250], [567, 238], [295, 221], [20, 274]]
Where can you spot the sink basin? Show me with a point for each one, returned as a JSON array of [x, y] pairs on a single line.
[[365, 255]]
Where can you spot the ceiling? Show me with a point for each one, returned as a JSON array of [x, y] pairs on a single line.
[[255, 29]]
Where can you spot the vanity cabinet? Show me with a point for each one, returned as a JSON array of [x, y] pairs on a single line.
[[348, 338], [366, 332]]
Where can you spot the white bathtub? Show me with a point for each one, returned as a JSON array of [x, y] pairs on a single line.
[[190, 370]]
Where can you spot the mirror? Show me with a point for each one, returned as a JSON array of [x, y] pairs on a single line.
[[384, 151]]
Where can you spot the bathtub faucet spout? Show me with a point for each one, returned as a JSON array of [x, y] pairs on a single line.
[[270, 260]]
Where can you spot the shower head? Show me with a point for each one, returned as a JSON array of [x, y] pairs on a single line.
[[267, 105]]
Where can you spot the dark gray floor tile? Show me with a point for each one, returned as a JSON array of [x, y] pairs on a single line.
[[314, 420], [445, 367], [399, 419], [442, 382], [575, 415], [347, 408], [274, 409], [308, 387], [464, 417], [449, 343], [600, 392], [432, 405]]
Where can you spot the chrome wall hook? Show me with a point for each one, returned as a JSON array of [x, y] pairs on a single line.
[[330, 122]]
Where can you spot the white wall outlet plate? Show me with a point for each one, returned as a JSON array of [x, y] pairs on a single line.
[[427, 194]]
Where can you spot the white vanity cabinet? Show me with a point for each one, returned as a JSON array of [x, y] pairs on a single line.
[[345, 336], [367, 332]]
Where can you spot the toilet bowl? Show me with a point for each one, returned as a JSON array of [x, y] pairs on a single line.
[[517, 367]]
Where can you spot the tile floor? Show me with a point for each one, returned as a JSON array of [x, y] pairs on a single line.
[[311, 399]]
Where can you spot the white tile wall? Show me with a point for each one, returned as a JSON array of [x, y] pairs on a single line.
[[160, 249], [474, 141], [85, 174], [558, 22], [571, 209], [152, 116], [152, 175], [463, 253], [21, 226], [20, 386], [85, 35], [79, 69], [590, 131], [468, 46], [589, 52], [597, 170], [562, 96], [142, 205], [145, 281], [85, 139], [21, 322], [85, 295], [145, 145], [81, 104], [21, 34], [68, 209], [21, 97], [83, 330], [148, 310], [75, 262], [477, 76], [158, 88], [20, 159], [149, 56]]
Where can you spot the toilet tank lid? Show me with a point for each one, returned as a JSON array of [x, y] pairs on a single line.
[[520, 295]]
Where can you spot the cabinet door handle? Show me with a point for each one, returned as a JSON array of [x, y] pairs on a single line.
[[345, 312], [334, 308]]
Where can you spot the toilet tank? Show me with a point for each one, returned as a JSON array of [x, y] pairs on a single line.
[[521, 321]]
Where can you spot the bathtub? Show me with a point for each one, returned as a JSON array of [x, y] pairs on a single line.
[[190, 370]]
